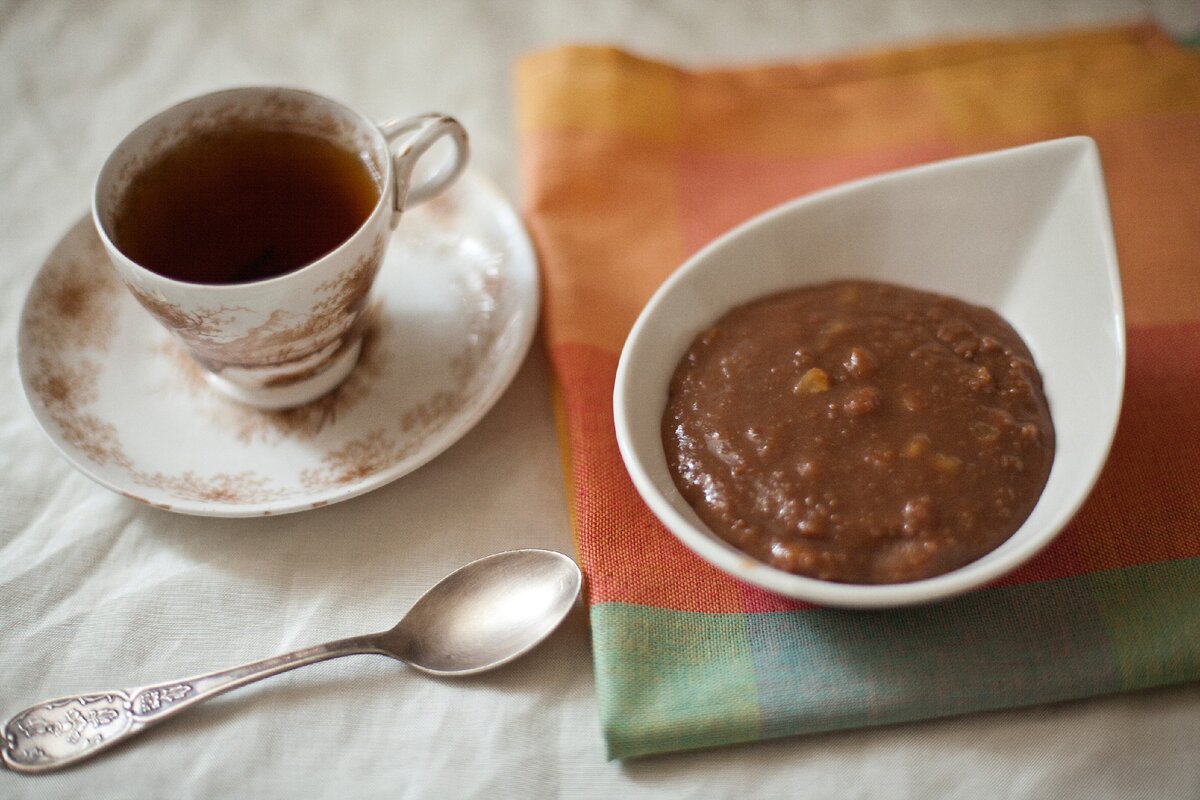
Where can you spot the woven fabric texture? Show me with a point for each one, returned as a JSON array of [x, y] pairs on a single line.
[[630, 165]]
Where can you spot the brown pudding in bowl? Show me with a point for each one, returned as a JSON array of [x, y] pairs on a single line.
[[860, 432]]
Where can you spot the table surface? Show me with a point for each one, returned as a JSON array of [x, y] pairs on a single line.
[[98, 592]]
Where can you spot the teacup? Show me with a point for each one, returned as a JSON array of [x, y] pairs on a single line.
[[293, 334]]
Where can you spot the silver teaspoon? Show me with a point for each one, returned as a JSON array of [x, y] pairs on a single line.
[[477, 618]]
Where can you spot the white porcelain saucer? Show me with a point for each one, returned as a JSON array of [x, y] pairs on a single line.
[[453, 315]]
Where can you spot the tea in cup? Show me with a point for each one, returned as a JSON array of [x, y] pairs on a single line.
[[252, 222]]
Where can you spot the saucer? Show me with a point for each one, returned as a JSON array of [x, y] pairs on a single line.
[[453, 314]]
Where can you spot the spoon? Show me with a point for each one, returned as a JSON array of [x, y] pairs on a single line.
[[477, 618]]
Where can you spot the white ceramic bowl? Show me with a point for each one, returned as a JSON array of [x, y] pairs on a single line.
[[1024, 231]]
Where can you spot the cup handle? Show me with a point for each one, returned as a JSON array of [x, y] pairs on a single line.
[[428, 129]]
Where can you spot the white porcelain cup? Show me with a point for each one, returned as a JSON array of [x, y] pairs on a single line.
[[288, 339]]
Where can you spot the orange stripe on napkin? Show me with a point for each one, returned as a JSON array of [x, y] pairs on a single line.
[[585, 214], [598, 89], [1151, 168], [631, 165]]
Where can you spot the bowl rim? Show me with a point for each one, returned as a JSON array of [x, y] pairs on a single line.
[[741, 565]]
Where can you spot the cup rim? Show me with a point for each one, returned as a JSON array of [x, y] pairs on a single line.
[[385, 190]]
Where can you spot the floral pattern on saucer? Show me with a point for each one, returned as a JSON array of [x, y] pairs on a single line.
[[452, 317]]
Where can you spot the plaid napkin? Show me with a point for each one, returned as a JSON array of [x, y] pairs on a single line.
[[630, 165]]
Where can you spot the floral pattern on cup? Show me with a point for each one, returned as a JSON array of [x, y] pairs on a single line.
[[284, 340]]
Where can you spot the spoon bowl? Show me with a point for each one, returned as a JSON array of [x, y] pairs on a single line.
[[485, 614], [477, 618]]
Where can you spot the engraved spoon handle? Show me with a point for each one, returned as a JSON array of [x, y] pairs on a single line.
[[57, 733]]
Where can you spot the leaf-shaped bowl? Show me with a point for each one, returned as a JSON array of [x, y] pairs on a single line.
[[1024, 231]]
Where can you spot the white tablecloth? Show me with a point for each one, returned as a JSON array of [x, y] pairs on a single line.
[[99, 592]]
